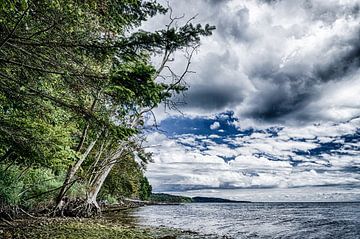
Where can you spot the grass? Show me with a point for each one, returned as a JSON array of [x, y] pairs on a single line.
[[59, 228]]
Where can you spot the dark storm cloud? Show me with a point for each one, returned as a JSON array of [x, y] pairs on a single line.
[[210, 98], [268, 1], [218, 88], [289, 92], [272, 60], [280, 93], [216, 2], [278, 101], [345, 63]]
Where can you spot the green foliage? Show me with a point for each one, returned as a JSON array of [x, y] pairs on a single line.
[[78, 190], [76, 73], [109, 199], [27, 187], [10, 186], [125, 180], [36, 132], [38, 186], [145, 189]]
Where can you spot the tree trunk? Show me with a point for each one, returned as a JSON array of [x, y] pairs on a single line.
[[69, 180], [94, 167], [96, 186], [99, 180], [71, 173], [83, 137]]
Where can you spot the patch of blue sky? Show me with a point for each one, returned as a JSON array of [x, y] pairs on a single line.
[[205, 132], [335, 146], [179, 125]]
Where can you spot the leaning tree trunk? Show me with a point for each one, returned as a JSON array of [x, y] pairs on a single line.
[[91, 197], [69, 180], [92, 205]]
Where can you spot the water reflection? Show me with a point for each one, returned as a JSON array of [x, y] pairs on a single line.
[[124, 217]]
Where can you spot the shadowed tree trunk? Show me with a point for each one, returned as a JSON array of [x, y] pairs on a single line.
[[69, 180]]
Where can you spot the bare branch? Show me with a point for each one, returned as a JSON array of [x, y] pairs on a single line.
[[15, 27]]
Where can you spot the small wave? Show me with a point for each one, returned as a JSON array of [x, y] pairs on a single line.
[[261, 220]]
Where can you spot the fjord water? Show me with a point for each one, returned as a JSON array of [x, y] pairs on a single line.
[[258, 220]]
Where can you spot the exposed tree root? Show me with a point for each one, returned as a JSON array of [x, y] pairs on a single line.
[[77, 208]]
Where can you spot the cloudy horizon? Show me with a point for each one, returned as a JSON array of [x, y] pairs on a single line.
[[273, 107]]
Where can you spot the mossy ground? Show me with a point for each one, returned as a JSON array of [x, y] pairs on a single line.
[[59, 228]]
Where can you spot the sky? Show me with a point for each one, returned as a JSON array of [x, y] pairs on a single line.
[[272, 112]]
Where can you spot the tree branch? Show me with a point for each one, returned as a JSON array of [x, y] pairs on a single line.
[[15, 27]]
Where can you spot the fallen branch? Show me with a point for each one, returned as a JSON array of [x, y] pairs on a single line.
[[26, 213]]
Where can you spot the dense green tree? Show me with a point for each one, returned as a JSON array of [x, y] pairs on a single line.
[[125, 179], [76, 81], [145, 189]]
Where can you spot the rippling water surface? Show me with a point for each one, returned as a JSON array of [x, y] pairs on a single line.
[[258, 220]]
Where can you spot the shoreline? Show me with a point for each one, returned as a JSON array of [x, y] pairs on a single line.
[[89, 228], [114, 223]]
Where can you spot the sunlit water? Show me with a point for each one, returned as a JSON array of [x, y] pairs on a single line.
[[258, 220]]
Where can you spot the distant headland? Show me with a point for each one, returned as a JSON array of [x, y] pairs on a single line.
[[168, 198]]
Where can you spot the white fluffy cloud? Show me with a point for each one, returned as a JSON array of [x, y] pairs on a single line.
[[259, 160], [215, 125], [292, 64]]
